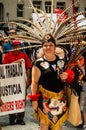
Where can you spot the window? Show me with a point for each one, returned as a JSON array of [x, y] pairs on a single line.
[[20, 10], [61, 5], [1, 12], [48, 7], [37, 4], [85, 10]]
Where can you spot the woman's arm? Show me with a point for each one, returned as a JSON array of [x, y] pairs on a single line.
[[34, 86], [35, 79]]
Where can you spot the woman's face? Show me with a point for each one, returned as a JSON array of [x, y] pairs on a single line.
[[49, 48]]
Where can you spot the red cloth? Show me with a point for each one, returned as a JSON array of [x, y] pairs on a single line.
[[61, 14], [16, 42], [71, 76], [11, 57], [34, 97]]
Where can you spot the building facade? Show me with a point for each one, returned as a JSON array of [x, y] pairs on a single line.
[[13, 9]]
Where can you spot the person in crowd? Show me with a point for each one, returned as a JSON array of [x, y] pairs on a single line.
[[8, 44], [78, 67], [1, 103], [47, 88], [28, 50], [1, 36], [15, 56], [40, 53], [84, 105], [83, 96], [1, 44]]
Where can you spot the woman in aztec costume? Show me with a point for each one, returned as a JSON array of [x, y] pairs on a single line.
[[67, 32]]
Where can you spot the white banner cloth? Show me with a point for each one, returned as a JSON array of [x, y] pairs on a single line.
[[12, 87]]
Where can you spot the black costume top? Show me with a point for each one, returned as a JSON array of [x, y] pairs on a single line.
[[50, 71]]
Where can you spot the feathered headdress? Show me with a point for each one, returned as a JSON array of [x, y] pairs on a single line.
[[65, 29]]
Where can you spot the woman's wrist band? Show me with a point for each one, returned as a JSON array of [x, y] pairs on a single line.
[[71, 75], [34, 97]]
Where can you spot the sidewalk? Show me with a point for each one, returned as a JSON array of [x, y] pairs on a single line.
[[31, 123]]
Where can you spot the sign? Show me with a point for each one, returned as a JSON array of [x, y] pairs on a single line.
[[12, 87], [39, 19], [61, 15]]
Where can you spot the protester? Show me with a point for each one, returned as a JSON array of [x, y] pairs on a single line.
[[1, 43], [1, 103], [83, 96], [40, 53], [1, 46], [78, 67], [28, 49], [84, 105], [15, 56], [8, 44], [1, 36], [48, 80]]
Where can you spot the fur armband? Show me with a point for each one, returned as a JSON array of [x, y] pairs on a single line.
[[34, 97], [71, 76]]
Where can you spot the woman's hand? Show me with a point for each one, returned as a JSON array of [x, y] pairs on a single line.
[[18, 61], [35, 105], [63, 76]]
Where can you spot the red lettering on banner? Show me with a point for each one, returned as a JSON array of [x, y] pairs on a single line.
[[8, 106], [20, 104]]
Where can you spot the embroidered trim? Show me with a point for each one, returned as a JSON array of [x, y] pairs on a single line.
[[39, 114], [50, 94]]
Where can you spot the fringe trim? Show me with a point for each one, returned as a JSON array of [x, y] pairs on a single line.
[[50, 94], [53, 126]]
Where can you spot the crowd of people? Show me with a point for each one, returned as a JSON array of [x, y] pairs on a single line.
[[7, 56], [48, 79]]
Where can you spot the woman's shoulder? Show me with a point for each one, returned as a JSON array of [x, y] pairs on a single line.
[[39, 60]]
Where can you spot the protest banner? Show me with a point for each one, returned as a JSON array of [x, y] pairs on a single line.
[[12, 87]]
